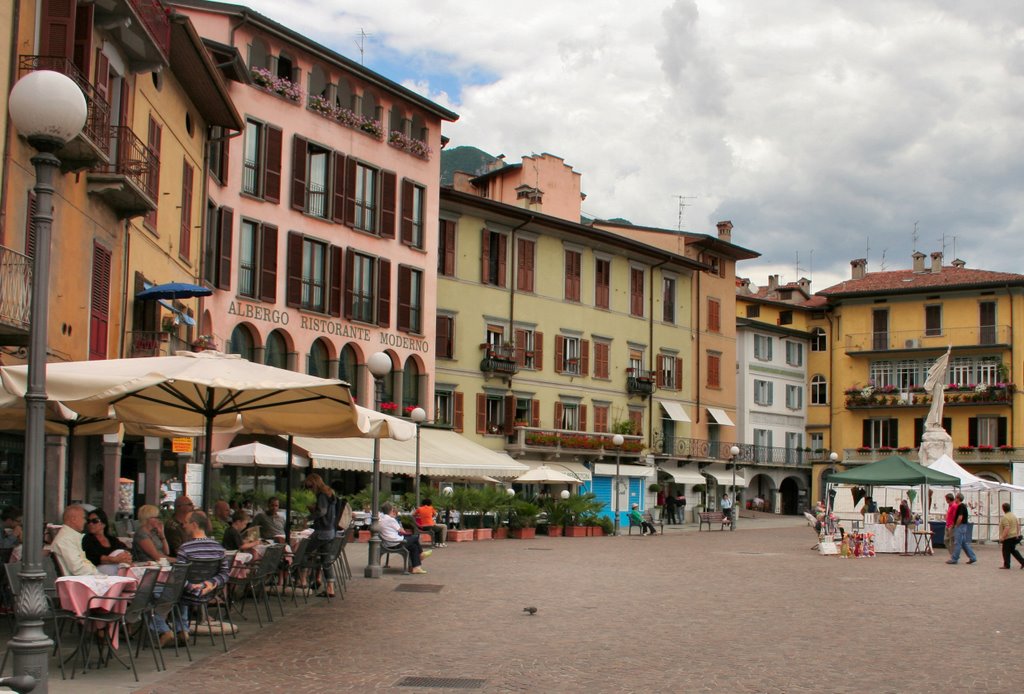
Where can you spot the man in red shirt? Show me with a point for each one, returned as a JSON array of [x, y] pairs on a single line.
[[950, 518], [424, 517]]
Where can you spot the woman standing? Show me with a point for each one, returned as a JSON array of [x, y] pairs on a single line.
[[99, 544], [325, 520]]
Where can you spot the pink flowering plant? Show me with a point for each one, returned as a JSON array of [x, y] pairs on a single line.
[[346, 116], [276, 85], [417, 148]]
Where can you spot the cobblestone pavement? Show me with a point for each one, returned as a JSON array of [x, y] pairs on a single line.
[[748, 611]]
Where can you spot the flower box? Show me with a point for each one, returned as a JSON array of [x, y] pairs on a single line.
[[482, 534], [595, 531], [522, 533], [460, 535], [364, 536], [575, 531], [500, 534], [281, 86], [554, 531]]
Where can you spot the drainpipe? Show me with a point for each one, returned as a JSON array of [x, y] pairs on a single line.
[[650, 354], [832, 389], [697, 360], [124, 288], [512, 284]]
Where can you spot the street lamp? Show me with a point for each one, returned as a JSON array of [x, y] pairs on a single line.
[[734, 452], [418, 415], [833, 458], [617, 441], [49, 109], [380, 366]]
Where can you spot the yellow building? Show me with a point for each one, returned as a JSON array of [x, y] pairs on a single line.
[[885, 329]]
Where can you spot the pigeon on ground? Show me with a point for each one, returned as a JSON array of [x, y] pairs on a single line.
[[531, 610]]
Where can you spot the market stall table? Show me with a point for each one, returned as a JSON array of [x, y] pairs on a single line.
[[889, 538]]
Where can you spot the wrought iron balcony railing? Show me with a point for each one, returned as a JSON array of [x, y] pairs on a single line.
[[639, 382], [750, 454], [500, 359], [15, 288]]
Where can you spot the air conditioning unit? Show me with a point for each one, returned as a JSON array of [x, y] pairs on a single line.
[[912, 344]]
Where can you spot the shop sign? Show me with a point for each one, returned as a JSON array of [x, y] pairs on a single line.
[[181, 444]]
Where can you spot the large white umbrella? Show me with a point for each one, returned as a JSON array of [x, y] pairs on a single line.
[[255, 455], [546, 475]]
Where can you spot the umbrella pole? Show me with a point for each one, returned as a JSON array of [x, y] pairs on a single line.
[[288, 491], [208, 456]]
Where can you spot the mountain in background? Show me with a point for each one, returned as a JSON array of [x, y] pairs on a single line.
[[466, 158]]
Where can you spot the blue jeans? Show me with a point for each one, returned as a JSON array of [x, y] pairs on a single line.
[[160, 622], [962, 540]]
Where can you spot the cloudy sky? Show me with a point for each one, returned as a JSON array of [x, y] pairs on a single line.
[[823, 128]]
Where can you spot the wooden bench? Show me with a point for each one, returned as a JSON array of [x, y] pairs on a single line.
[[660, 523], [710, 517]]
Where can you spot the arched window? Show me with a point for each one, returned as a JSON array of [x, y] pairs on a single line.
[[819, 390], [319, 355], [819, 340], [242, 343], [259, 54], [277, 351], [419, 128], [347, 371], [395, 118], [410, 384], [319, 82], [370, 105], [345, 96], [286, 67]]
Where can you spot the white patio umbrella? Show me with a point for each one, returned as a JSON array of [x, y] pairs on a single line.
[[255, 454], [546, 475]]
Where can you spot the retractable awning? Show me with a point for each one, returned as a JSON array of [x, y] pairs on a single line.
[[720, 417], [684, 475], [624, 470], [724, 476], [675, 411]]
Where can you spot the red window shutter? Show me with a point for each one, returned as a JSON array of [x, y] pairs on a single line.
[[338, 201], [57, 28], [714, 316], [520, 338], [442, 336], [600, 419], [601, 359], [83, 39], [299, 149], [99, 309], [293, 281], [558, 416], [481, 413], [407, 211], [350, 192], [559, 353], [583, 417], [225, 231], [524, 265], [502, 257], [384, 293], [510, 414], [334, 298], [155, 136], [404, 298], [103, 75], [636, 418], [350, 263], [535, 413], [268, 263], [714, 362], [185, 241], [585, 357], [30, 226], [659, 372], [538, 350], [679, 374], [272, 168], [388, 195], [636, 292], [485, 256], [458, 411], [448, 229]]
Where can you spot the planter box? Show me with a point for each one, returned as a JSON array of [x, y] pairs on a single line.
[[575, 531], [426, 539], [499, 534], [554, 531], [460, 535], [596, 531], [523, 533], [482, 534], [364, 536]]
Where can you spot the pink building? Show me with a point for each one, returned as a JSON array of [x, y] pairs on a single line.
[[322, 222]]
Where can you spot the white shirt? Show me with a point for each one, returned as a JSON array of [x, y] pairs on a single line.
[[390, 529], [67, 547], [726, 503]]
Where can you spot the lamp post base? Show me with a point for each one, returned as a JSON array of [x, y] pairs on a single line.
[[373, 568]]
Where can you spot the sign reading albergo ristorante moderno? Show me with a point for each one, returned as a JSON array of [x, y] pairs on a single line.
[[326, 326]]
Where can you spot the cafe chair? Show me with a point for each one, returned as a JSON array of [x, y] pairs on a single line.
[[168, 600], [199, 607], [400, 549]]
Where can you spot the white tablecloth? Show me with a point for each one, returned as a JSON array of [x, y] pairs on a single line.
[[890, 539]]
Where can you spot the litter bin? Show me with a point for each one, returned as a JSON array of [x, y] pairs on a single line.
[[938, 529]]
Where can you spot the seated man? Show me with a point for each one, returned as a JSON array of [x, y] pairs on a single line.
[[271, 521], [196, 594], [392, 533], [233, 533], [67, 546], [424, 517], [637, 518]]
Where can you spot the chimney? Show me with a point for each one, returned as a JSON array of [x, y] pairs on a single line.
[[918, 261], [937, 261], [725, 231], [805, 285], [859, 268], [773, 283], [744, 285], [959, 264]]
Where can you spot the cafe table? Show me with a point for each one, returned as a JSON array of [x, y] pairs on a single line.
[[75, 593]]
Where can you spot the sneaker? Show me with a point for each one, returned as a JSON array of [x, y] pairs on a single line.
[[426, 553], [418, 570], [951, 562], [167, 639], [971, 561]]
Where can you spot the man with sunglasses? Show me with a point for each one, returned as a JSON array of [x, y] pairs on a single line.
[[67, 546]]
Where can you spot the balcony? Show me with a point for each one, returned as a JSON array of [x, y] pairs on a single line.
[[556, 443], [961, 454], [90, 148], [750, 455], [15, 296], [955, 396], [639, 382], [141, 28], [499, 359], [923, 340], [155, 343], [128, 182]]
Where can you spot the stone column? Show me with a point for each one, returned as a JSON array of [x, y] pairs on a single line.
[[111, 472], [154, 449], [78, 460], [54, 486]]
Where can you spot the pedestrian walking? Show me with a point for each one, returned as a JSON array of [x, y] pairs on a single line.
[[670, 509], [947, 539], [681, 507], [1009, 536], [961, 533]]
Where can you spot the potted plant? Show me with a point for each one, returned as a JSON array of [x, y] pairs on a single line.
[[576, 510], [487, 501], [462, 500], [522, 520]]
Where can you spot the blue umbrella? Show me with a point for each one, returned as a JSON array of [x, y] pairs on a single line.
[[173, 290]]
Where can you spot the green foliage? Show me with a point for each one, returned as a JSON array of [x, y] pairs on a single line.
[[464, 499], [363, 499], [523, 515], [606, 524], [624, 427]]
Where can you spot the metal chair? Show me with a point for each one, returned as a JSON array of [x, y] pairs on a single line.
[[302, 561], [203, 570], [270, 566], [169, 599], [400, 549]]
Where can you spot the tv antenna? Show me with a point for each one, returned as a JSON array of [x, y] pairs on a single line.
[[361, 43], [799, 268], [914, 236], [683, 204]]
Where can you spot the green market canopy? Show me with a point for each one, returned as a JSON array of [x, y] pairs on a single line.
[[894, 470]]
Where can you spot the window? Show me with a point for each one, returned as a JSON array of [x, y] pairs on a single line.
[[986, 431], [527, 412], [314, 274], [217, 246], [185, 237], [817, 441], [492, 258], [714, 315], [490, 415], [668, 300], [445, 337], [669, 372], [819, 340], [933, 320], [368, 289], [413, 197], [218, 156], [753, 311], [99, 303], [636, 361], [311, 178], [881, 374], [794, 446], [602, 356], [319, 355], [794, 397], [908, 374], [785, 317], [570, 350], [794, 353], [602, 282], [155, 135], [529, 344], [714, 379], [763, 347], [762, 445], [987, 322], [411, 384], [410, 299], [819, 390], [636, 420], [714, 261], [446, 248], [600, 419], [763, 392], [242, 343], [573, 259], [636, 292], [495, 337], [570, 419], [525, 249], [348, 369], [365, 186], [248, 257], [275, 352], [961, 370], [448, 409], [880, 433], [988, 371], [261, 161]]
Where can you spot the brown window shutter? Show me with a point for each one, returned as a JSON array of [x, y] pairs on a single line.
[[299, 149], [520, 338], [82, 52], [225, 231], [600, 419], [99, 308], [601, 359], [103, 75], [383, 293], [510, 414], [531, 248], [350, 192], [448, 229], [185, 240], [481, 413], [334, 297], [225, 147], [30, 227], [538, 350], [583, 417], [585, 357], [293, 281], [559, 353], [679, 374], [485, 260], [350, 263], [404, 298], [502, 253], [338, 202], [442, 337], [154, 138], [458, 408], [268, 263], [535, 413], [272, 168], [57, 28], [558, 416], [388, 195], [407, 211], [659, 371], [524, 265]]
